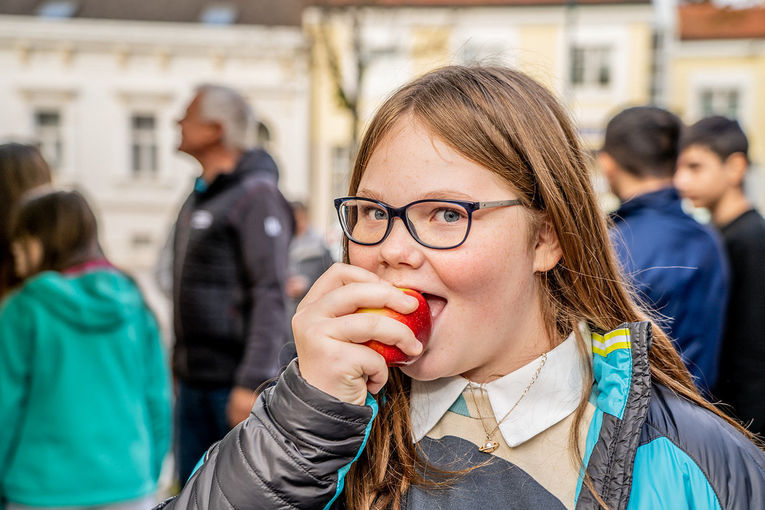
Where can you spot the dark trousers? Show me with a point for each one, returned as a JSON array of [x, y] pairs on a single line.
[[200, 421]]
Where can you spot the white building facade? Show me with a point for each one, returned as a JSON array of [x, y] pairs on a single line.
[[102, 98]]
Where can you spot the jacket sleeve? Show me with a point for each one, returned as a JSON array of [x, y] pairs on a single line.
[[16, 349], [264, 226], [157, 387], [292, 452]]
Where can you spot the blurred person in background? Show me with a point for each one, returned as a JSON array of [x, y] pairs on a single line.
[[309, 257], [85, 401], [711, 169], [230, 255], [676, 264], [22, 167]]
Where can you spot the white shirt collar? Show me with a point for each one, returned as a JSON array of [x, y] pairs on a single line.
[[554, 395]]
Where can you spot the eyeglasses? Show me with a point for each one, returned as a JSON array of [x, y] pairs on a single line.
[[438, 224]]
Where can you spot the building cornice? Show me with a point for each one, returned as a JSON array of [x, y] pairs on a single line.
[[425, 4], [512, 14], [148, 37], [717, 48]]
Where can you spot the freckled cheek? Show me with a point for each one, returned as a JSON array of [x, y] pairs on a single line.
[[363, 256], [475, 275], [490, 281]]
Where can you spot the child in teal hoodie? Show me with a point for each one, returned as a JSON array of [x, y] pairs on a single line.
[[84, 386]]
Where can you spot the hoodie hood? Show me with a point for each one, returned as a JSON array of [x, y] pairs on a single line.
[[253, 162], [258, 161], [100, 299]]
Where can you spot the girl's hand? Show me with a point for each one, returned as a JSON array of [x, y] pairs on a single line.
[[328, 334]]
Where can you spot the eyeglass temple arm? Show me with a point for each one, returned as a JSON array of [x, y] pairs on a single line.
[[498, 203]]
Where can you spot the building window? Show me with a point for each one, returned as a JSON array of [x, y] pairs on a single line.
[[218, 14], [591, 66], [141, 240], [49, 134], [143, 144], [57, 9], [724, 101]]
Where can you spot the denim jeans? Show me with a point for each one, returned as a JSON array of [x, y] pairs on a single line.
[[200, 421]]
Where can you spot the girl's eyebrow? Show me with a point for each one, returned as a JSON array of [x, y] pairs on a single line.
[[367, 193], [432, 195], [447, 195]]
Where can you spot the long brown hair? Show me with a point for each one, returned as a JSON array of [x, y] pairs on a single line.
[[22, 168], [510, 124], [64, 224]]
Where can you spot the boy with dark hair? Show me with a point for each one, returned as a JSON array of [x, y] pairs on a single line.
[[676, 264], [711, 170]]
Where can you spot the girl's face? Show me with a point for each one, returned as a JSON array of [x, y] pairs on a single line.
[[484, 296], [27, 256]]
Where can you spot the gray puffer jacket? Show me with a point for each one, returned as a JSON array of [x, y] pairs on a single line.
[[646, 448], [287, 454]]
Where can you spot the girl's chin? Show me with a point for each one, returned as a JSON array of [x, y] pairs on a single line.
[[421, 369]]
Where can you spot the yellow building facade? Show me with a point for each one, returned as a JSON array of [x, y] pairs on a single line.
[[597, 57]]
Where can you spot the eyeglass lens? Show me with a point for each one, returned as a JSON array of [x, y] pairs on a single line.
[[434, 223]]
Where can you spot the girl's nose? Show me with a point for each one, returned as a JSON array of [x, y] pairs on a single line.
[[400, 248]]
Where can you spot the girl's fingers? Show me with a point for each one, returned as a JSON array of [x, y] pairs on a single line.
[[362, 327], [342, 289], [344, 370], [336, 276], [328, 333], [355, 295], [377, 375]]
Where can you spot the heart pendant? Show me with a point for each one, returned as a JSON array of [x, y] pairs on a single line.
[[489, 446]]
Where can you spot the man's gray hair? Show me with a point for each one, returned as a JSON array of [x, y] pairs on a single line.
[[230, 109]]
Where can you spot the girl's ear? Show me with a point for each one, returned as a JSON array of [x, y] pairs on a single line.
[[547, 251]]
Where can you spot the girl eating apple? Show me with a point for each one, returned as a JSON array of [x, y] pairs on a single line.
[[542, 385]]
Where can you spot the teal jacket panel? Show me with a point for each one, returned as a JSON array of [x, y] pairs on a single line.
[[84, 391], [669, 478]]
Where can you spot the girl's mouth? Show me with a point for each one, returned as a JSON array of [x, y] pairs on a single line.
[[435, 303]]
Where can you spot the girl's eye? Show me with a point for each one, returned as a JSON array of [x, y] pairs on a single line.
[[448, 215], [374, 213]]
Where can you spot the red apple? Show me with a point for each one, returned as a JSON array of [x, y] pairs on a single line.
[[418, 321]]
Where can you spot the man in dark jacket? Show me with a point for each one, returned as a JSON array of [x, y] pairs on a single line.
[[230, 253], [676, 264]]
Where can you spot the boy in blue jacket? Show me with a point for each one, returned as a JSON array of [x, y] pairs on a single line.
[[676, 264]]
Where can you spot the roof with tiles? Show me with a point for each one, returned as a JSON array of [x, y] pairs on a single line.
[[468, 3], [706, 21], [237, 12]]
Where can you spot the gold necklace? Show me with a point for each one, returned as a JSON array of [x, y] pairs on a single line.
[[490, 444]]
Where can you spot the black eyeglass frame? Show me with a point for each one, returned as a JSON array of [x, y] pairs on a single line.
[[400, 213]]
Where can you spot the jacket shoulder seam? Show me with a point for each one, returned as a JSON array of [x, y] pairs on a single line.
[[222, 492], [290, 455], [690, 456], [274, 492]]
